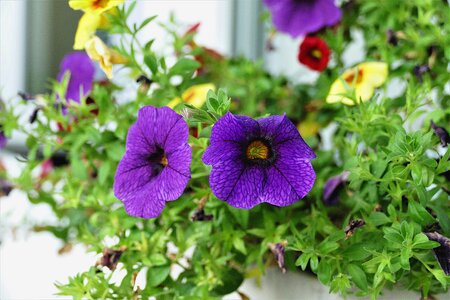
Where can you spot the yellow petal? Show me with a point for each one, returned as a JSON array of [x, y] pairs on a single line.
[[374, 73], [94, 6], [364, 92], [86, 29], [117, 58], [174, 102], [309, 127], [338, 91], [80, 4], [363, 78], [196, 95], [98, 51]]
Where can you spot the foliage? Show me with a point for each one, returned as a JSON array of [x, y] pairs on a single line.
[[395, 182]]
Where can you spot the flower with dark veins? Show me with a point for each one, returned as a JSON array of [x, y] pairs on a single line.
[[332, 188], [156, 164], [301, 17], [255, 161], [441, 133], [442, 253]]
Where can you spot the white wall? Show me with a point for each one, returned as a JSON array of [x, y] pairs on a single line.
[[12, 47]]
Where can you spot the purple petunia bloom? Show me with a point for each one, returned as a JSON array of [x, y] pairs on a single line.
[[256, 161], [301, 17], [333, 187], [81, 70], [155, 167]]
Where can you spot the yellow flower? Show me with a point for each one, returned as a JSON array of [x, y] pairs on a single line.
[[362, 80], [94, 6], [195, 95], [98, 51], [309, 127], [92, 19]]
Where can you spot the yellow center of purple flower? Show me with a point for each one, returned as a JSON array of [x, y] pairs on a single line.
[[164, 162], [257, 150]]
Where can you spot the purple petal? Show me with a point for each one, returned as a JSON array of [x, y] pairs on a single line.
[[233, 128], [236, 183], [332, 188], [81, 70], [227, 137], [222, 151], [163, 127], [2, 140], [143, 206], [137, 141], [285, 137], [297, 17], [300, 177], [278, 190]]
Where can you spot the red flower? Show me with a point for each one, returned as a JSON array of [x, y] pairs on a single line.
[[314, 53]]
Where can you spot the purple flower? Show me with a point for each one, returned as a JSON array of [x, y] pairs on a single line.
[[81, 70], [258, 161], [333, 187], [442, 253], [300, 17], [2, 139], [441, 133], [155, 167]]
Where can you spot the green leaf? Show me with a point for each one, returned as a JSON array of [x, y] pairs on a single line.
[[405, 254], [104, 171], [231, 281], [184, 66], [358, 276], [392, 235], [238, 243], [157, 275], [303, 260], [421, 241], [324, 271], [419, 213], [314, 263], [379, 218], [147, 21], [151, 63]]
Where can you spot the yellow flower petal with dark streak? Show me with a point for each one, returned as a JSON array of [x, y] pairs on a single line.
[[360, 80], [94, 6]]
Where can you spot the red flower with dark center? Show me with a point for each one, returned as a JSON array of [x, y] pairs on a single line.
[[314, 53]]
